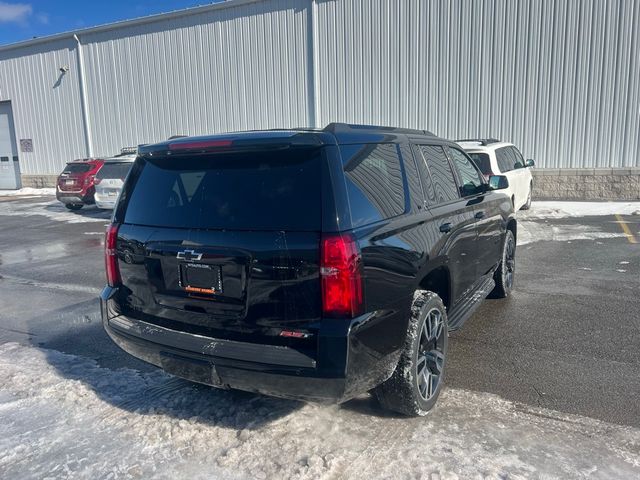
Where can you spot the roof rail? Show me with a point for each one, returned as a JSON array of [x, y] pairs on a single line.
[[336, 127], [482, 141]]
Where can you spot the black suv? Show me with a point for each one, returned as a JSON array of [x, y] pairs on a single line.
[[306, 264]]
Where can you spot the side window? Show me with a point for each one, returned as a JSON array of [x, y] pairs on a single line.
[[519, 160], [374, 182], [504, 159], [413, 179], [425, 176], [471, 183], [442, 187]]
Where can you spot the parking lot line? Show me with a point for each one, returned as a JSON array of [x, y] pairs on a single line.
[[625, 229]]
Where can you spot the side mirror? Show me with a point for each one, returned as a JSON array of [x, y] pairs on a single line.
[[498, 182], [529, 163]]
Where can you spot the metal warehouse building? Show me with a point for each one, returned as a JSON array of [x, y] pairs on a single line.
[[560, 78]]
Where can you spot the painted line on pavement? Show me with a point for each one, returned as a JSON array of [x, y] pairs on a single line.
[[625, 228]]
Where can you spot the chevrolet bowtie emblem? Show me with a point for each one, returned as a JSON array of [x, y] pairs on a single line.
[[188, 255]]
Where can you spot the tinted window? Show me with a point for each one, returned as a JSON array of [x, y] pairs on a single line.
[[519, 160], [250, 191], [77, 168], [374, 182], [504, 159], [413, 179], [442, 187], [469, 177], [483, 162], [115, 170]]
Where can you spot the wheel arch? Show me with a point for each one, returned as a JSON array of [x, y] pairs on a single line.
[[438, 281], [512, 225]]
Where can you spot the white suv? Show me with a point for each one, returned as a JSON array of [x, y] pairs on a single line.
[[494, 157]]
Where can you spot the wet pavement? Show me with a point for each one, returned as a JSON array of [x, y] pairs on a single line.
[[568, 339]]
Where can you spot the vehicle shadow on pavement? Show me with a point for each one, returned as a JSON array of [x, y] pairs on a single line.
[[368, 406], [88, 211], [84, 353]]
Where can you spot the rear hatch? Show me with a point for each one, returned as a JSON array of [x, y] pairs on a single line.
[[224, 245], [110, 178], [72, 177]]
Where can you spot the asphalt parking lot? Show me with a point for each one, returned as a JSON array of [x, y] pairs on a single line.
[[568, 339]]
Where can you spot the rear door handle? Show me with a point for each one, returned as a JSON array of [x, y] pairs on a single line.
[[479, 215], [445, 227]]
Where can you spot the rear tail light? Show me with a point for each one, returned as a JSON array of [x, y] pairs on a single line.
[[88, 179], [111, 255], [97, 181], [341, 276]]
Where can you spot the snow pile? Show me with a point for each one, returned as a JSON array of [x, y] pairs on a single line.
[[36, 192], [55, 211], [529, 232], [63, 416], [556, 209]]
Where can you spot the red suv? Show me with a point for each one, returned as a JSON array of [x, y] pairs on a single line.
[[75, 186]]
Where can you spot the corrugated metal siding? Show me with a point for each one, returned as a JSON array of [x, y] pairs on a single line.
[[46, 105], [237, 68], [560, 78]]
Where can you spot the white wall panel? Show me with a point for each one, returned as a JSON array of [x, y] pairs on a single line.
[[228, 69], [560, 78], [46, 105]]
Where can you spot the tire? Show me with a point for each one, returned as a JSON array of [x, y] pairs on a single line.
[[505, 273], [73, 206], [408, 391], [527, 205]]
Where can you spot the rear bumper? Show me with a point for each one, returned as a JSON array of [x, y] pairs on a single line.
[[105, 203], [278, 371], [104, 200], [74, 197]]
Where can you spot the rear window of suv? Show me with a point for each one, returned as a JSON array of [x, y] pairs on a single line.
[[279, 190], [115, 170], [77, 168]]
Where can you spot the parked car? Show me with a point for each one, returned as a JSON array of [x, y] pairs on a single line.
[[75, 185], [110, 178], [494, 157], [307, 264]]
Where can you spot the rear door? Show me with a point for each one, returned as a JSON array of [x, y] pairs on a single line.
[[524, 175], [224, 245], [486, 208], [453, 215], [505, 161]]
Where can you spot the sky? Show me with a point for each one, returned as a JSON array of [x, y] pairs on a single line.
[[24, 19]]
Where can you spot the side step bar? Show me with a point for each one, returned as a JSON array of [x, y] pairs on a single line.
[[465, 308]]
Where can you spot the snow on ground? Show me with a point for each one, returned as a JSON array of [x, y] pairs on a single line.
[[54, 210], [530, 229], [558, 209], [64, 416], [34, 192], [529, 232]]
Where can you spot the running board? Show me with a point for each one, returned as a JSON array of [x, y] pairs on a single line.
[[463, 310]]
